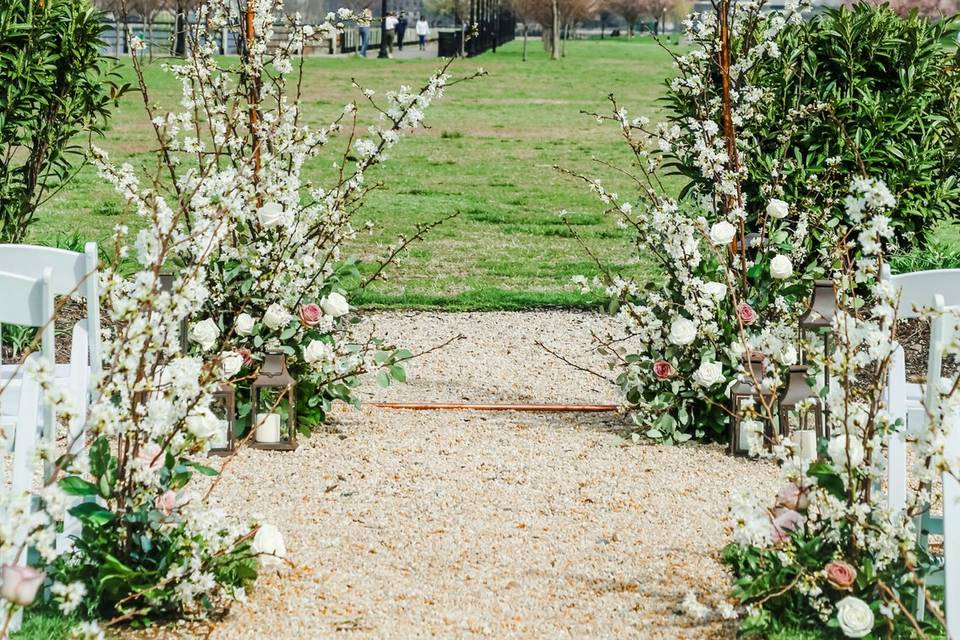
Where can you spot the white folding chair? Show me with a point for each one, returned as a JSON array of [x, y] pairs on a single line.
[[943, 331], [905, 400], [27, 302], [951, 539], [72, 274]]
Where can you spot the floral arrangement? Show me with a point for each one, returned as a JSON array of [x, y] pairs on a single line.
[[727, 268], [278, 281], [829, 552], [147, 547], [258, 252]]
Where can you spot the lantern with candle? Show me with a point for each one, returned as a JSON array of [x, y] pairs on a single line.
[[273, 406], [748, 391], [818, 321], [801, 410], [225, 408]]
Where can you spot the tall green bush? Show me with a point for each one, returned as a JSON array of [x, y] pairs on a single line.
[[54, 86], [872, 92]]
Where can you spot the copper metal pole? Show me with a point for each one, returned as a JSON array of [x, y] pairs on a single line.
[[473, 406], [254, 96]]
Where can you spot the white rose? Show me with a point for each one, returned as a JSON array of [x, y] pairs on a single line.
[[316, 351], [837, 450], [788, 355], [722, 233], [203, 425], [205, 333], [268, 545], [716, 290], [781, 268], [231, 362], [335, 305], [244, 324], [778, 209], [270, 214], [276, 316], [708, 374], [682, 332], [855, 617]]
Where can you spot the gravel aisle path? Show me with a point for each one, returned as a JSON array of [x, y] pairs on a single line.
[[460, 524]]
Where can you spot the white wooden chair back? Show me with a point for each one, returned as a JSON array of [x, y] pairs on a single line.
[[29, 302], [73, 274], [951, 538], [916, 291], [944, 331], [918, 288]]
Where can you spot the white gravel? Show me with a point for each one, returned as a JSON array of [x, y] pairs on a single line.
[[407, 524]]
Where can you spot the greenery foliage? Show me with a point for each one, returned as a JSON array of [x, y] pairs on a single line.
[[54, 85], [132, 553], [879, 92]]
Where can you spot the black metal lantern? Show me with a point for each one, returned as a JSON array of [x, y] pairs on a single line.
[[819, 320], [166, 285], [276, 391], [800, 408], [225, 408], [748, 391]]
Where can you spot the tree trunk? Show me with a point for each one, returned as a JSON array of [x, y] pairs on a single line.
[[555, 32], [601, 28], [524, 41]]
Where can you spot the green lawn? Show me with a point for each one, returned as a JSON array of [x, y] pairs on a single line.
[[489, 154]]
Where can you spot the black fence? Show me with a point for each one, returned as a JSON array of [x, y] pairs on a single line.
[[496, 25]]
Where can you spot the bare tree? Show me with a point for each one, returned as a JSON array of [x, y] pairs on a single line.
[[526, 11], [631, 11]]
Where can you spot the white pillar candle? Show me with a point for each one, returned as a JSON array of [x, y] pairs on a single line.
[[268, 429], [220, 439], [808, 444], [743, 440]]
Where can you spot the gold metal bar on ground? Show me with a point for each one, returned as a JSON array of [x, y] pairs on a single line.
[[471, 406]]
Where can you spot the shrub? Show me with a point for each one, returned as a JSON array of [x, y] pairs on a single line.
[[55, 86], [857, 91]]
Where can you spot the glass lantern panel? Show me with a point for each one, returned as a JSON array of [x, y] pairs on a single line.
[[273, 415]]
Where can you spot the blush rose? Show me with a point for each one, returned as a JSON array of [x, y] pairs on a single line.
[[746, 313], [663, 369], [310, 314], [840, 575]]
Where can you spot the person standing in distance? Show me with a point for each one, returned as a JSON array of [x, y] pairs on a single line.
[[423, 32], [401, 29], [390, 24], [364, 30]]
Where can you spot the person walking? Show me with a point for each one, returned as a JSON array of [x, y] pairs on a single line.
[[401, 29], [364, 38], [423, 32], [390, 26]]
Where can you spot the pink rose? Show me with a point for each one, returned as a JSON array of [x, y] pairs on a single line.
[[246, 354], [786, 520], [746, 313], [663, 369], [792, 496], [166, 503], [20, 584], [840, 575], [310, 314], [151, 456]]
